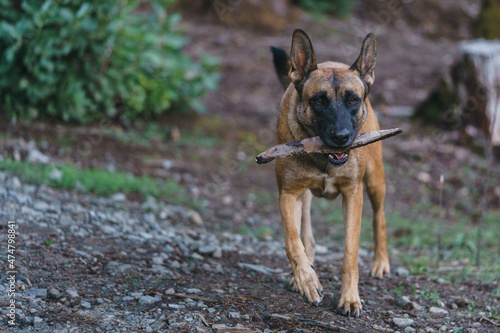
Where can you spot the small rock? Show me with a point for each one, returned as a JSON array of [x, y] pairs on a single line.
[[41, 206], [430, 330], [193, 291], [415, 306], [477, 325], [36, 292], [217, 253], [147, 300], [127, 298], [170, 291], [471, 330], [55, 175], [195, 218], [38, 322], [436, 310], [167, 164], [85, 305], [410, 329], [277, 315], [207, 249], [137, 295], [72, 293], [35, 156], [227, 200], [401, 271], [197, 256], [402, 322], [403, 300], [53, 293], [211, 310], [118, 197], [235, 315], [440, 303], [150, 204], [441, 281], [157, 261]]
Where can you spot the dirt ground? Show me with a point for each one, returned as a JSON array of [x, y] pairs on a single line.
[[215, 161]]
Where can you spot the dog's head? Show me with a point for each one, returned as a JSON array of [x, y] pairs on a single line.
[[331, 101]]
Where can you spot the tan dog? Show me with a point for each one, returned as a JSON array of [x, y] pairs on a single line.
[[329, 100]]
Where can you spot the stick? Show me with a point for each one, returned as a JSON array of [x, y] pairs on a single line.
[[316, 145]]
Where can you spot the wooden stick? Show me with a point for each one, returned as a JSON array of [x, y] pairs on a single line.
[[317, 146]]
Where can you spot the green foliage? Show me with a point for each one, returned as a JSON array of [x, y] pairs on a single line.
[[486, 24], [81, 61], [340, 8], [100, 182]]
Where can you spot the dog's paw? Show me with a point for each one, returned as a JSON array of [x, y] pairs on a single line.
[[380, 268], [350, 306], [306, 282]]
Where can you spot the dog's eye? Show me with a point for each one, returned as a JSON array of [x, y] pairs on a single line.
[[352, 100], [318, 100]]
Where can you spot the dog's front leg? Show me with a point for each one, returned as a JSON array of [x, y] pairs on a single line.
[[352, 206], [304, 276]]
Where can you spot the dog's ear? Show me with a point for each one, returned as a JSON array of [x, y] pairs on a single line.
[[302, 57], [365, 64]]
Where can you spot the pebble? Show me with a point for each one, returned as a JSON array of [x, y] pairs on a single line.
[[401, 271], [235, 315], [147, 300], [207, 249], [403, 300], [35, 292], [477, 325], [170, 291], [436, 310], [85, 305], [402, 322], [193, 291], [430, 330], [415, 306], [409, 329], [38, 322]]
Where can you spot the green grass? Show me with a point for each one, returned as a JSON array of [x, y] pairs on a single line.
[[100, 182], [414, 234]]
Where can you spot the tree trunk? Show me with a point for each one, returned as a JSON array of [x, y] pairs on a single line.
[[478, 85]]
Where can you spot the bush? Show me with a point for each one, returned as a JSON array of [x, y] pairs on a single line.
[[81, 61], [341, 8]]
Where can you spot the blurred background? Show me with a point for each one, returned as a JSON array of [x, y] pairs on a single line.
[[168, 102]]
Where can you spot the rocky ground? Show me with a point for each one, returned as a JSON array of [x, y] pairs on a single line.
[[91, 264], [131, 264]]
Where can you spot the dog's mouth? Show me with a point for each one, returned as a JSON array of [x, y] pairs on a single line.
[[337, 159]]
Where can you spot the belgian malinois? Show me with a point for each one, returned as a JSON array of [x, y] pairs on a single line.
[[329, 100]]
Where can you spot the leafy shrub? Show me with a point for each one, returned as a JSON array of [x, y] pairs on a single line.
[[81, 61], [340, 8]]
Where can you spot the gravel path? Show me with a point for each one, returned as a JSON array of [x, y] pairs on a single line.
[[90, 264]]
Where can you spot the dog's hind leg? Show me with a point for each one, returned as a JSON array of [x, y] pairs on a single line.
[[375, 184]]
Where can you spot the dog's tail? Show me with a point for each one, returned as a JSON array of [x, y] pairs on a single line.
[[282, 65]]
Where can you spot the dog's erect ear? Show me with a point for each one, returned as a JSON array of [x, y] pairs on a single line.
[[365, 64], [302, 56]]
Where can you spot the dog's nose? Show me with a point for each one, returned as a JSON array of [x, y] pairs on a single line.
[[340, 137]]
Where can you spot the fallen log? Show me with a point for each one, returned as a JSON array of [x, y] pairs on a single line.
[[317, 146]]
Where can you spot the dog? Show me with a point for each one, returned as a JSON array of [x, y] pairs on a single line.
[[329, 100]]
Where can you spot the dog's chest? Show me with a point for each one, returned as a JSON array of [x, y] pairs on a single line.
[[326, 187]]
